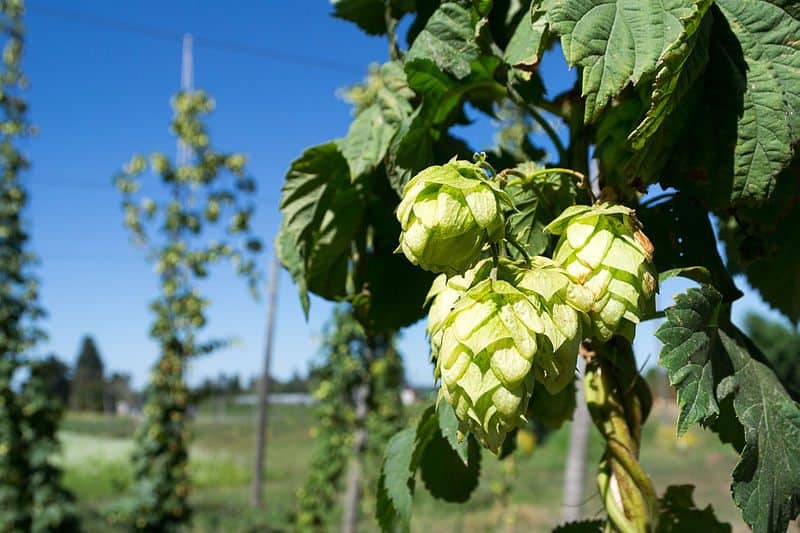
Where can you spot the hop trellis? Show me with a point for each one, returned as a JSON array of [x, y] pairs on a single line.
[[206, 196]]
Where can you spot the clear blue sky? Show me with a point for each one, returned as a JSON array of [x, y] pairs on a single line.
[[100, 91]]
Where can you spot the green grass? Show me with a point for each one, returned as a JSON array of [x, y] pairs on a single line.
[[97, 451]]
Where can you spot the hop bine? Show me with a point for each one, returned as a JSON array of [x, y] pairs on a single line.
[[448, 214], [493, 337], [604, 249]]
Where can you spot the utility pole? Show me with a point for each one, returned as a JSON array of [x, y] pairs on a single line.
[[263, 386], [575, 469]]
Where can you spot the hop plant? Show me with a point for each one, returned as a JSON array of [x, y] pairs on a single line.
[[448, 214], [493, 336], [604, 249]]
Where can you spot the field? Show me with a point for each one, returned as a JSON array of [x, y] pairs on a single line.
[[96, 450]]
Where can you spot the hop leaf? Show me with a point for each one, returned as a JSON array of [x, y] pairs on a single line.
[[492, 338], [603, 248], [447, 214]]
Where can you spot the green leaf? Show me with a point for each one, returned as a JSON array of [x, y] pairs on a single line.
[[483, 7], [729, 138], [389, 311], [678, 68], [766, 482], [448, 426], [678, 513], [422, 139], [612, 152], [411, 150], [384, 102], [584, 526], [551, 410], [396, 483], [448, 40], [686, 240], [443, 95], [526, 46], [616, 42], [756, 244], [369, 15], [538, 199], [699, 274], [286, 251], [321, 213], [400, 462], [367, 141], [769, 123], [444, 473], [689, 340]]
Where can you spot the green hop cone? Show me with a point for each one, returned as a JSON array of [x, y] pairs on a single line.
[[448, 214], [442, 297], [492, 338], [561, 304], [603, 248]]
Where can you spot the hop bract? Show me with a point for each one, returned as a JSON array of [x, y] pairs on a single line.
[[603, 248], [442, 297], [561, 304], [447, 214], [492, 338]]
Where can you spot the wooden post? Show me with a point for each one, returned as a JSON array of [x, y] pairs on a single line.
[[263, 388]]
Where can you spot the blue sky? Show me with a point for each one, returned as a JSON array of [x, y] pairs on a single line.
[[100, 91]]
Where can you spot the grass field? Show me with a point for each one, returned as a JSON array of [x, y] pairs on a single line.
[[96, 451]]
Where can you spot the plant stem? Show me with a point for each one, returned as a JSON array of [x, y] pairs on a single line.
[[540, 120], [495, 260], [513, 242], [618, 410], [480, 159], [391, 24]]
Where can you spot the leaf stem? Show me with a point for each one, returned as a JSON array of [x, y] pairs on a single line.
[[495, 260], [513, 242]]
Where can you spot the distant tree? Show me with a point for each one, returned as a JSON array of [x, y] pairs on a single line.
[[118, 389], [781, 345], [88, 385], [54, 374], [296, 384]]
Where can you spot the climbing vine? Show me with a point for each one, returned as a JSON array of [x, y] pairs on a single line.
[[31, 495], [193, 215], [342, 371]]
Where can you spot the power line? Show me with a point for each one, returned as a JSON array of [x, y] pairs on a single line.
[[207, 42]]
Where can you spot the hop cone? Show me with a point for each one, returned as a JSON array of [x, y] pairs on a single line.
[[447, 214], [603, 248], [442, 297], [560, 303], [492, 338]]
